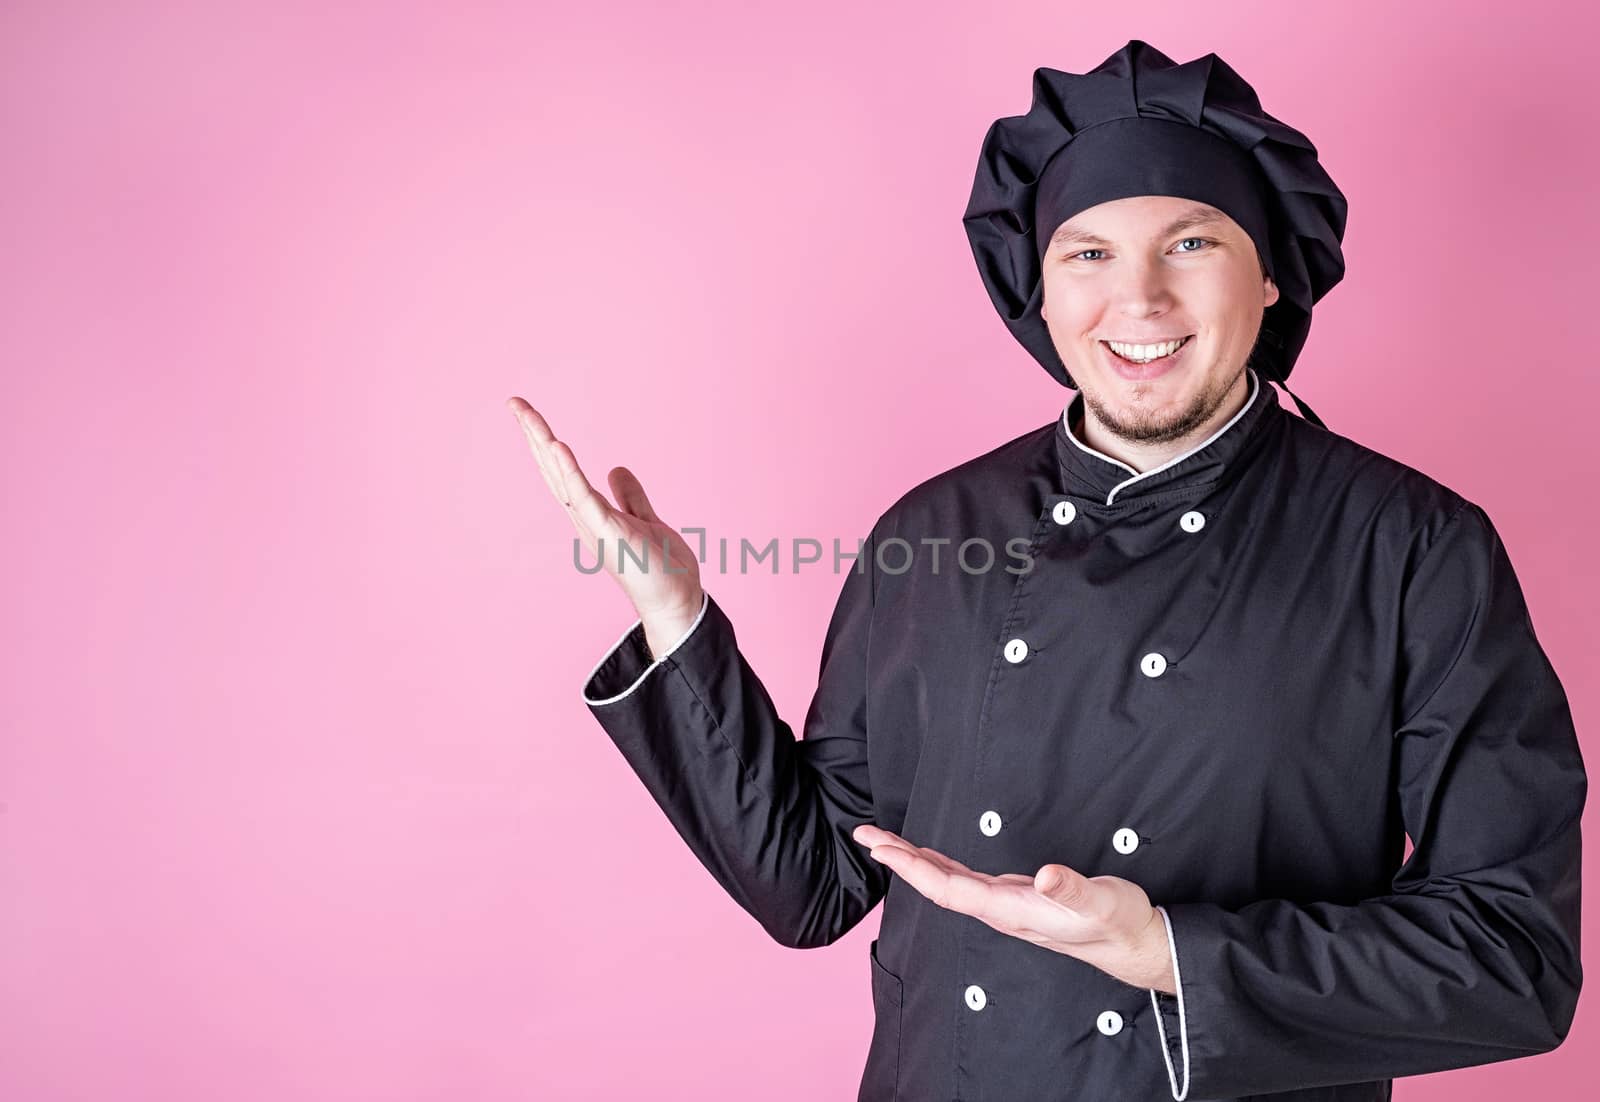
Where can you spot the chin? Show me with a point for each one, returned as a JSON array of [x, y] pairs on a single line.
[[1134, 395]]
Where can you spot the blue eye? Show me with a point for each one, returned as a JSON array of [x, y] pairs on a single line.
[[1205, 242]]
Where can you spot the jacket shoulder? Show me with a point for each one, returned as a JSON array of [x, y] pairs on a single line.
[[1333, 466], [985, 479]]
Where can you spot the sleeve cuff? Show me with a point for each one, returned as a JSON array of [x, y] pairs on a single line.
[[1175, 1055], [624, 667]]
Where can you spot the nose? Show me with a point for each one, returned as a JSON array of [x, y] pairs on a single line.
[[1142, 290]]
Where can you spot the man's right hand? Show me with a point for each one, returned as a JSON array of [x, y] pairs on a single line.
[[667, 597]]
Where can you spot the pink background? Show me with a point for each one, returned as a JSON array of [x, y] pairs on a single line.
[[298, 797]]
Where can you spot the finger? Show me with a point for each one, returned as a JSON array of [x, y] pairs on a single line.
[[914, 869], [872, 835], [1009, 904], [533, 424], [593, 510], [542, 442], [1077, 894], [540, 439], [1064, 887], [956, 891], [625, 487], [868, 835]]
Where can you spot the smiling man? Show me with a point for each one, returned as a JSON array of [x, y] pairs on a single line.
[[1157, 304], [1137, 812]]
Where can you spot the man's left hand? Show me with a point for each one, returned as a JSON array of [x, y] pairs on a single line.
[[1104, 921]]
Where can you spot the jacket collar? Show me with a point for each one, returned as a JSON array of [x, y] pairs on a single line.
[[1094, 474]]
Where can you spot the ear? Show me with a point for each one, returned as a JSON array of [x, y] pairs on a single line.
[[1043, 313], [1271, 289]]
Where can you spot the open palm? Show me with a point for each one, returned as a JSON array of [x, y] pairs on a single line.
[[662, 592]]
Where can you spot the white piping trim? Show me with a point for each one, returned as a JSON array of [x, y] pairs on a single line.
[[1183, 1025], [1255, 388], [705, 601]]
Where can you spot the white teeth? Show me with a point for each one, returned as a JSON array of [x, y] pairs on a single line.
[[1144, 353]]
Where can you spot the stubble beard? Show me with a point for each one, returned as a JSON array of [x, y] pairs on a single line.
[[1162, 426]]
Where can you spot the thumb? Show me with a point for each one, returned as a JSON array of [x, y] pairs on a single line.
[[1061, 884], [630, 494]]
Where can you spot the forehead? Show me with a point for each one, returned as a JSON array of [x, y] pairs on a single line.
[[1142, 216]]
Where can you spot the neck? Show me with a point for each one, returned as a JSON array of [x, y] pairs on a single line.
[[1144, 455]]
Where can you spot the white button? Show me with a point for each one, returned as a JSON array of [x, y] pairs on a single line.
[[1192, 521], [1152, 664], [1125, 840], [1064, 512], [989, 823], [976, 998], [1109, 1022], [1016, 650]]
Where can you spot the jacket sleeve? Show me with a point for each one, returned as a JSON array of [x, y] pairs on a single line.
[[1473, 957], [768, 815]]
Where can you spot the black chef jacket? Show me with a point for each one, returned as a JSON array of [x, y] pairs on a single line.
[[1238, 679]]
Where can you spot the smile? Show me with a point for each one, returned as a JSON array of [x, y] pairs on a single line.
[[1142, 362], [1145, 353]]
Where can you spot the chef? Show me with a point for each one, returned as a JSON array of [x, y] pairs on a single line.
[[1136, 801]]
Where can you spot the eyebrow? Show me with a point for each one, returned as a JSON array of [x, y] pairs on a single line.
[[1194, 216]]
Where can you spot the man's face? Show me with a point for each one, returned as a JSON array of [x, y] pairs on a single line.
[[1146, 270]]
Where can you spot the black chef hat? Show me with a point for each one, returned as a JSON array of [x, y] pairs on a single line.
[[1140, 124]]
